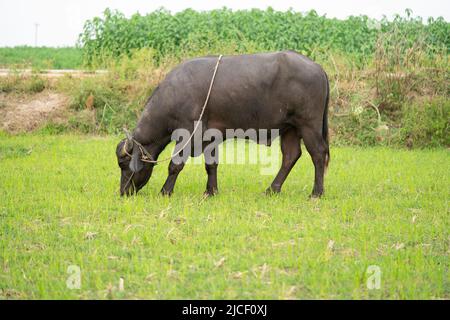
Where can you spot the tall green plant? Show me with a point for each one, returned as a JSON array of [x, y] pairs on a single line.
[[171, 34]]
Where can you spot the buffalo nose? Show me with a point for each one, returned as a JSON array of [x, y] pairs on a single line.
[[127, 191]]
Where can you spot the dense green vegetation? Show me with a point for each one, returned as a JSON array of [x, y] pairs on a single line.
[[60, 207], [41, 57], [269, 30]]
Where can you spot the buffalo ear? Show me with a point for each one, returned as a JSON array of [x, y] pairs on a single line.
[[136, 164]]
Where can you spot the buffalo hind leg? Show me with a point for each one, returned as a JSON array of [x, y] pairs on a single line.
[[318, 149], [290, 148], [174, 170]]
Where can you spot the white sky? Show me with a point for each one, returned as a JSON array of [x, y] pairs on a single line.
[[60, 21]]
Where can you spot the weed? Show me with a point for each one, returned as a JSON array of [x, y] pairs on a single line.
[[426, 123], [23, 84]]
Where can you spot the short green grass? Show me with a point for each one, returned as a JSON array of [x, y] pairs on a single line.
[[60, 206], [41, 57]]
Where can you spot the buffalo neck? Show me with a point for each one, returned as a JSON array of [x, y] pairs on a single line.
[[152, 130]]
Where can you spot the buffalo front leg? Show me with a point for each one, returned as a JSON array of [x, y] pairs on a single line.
[[290, 148], [174, 170], [211, 154], [211, 185]]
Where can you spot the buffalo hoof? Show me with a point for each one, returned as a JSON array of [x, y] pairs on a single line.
[[165, 193], [315, 196], [271, 191], [210, 193]]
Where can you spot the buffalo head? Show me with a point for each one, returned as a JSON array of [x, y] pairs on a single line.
[[134, 172]]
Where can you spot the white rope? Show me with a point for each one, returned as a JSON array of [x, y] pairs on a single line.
[[146, 156]]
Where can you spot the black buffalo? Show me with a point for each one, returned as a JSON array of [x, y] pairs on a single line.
[[279, 90]]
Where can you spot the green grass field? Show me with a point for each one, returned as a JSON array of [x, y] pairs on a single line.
[[41, 57], [60, 207]]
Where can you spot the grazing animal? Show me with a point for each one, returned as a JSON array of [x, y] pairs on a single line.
[[280, 90]]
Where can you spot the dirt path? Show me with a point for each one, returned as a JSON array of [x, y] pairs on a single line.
[[52, 73], [26, 113]]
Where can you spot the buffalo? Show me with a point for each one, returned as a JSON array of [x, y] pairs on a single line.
[[284, 90]]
